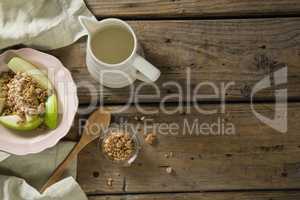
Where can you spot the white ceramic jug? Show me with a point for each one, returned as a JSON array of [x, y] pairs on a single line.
[[120, 74]]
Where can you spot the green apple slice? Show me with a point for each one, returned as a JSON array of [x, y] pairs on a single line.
[[17, 64], [14, 122], [51, 115]]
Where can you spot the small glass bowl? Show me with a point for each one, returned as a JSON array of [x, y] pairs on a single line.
[[134, 155]]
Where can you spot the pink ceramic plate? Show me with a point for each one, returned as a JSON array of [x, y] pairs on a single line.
[[22, 143]]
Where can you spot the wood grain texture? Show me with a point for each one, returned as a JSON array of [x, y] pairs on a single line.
[[255, 157], [217, 51], [286, 195], [192, 8]]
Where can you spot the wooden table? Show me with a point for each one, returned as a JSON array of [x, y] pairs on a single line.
[[220, 41]]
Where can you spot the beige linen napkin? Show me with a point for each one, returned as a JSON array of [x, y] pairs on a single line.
[[41, 24], [35, 169], [17, 189]]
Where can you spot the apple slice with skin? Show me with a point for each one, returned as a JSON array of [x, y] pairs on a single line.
[[14, 122], [51, 114], [17, 64]]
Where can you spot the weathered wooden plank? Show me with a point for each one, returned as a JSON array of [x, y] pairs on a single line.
[[254, 157], [286, 195], [192, 8], [73, 134], [215, 51]]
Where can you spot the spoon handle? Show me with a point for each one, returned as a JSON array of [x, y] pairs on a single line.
[[61, 168], [100, 117]]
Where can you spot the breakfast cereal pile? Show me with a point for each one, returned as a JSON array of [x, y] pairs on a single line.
[[119, 146], [23, 95]]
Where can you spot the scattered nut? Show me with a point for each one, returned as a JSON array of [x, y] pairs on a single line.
[[142, 118], [169, 170], [119, 146], [169, 155], [109, 182], [150, 138]]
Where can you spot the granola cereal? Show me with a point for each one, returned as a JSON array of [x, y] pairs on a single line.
[[23, 95], [119, 146]]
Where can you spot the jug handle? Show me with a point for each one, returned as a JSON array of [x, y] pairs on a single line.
[[146, 71]]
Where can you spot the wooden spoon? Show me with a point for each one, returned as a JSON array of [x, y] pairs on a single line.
[[96, 123]]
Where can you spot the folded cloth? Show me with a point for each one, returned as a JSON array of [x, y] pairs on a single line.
[[36, 169], [41, 24], [12, 188], [3, 155]]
